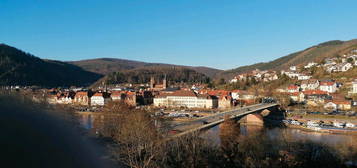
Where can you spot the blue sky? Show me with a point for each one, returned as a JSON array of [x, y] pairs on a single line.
[[217, 33]]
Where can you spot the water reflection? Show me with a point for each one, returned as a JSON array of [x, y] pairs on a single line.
[[214, 133], [86, 121], [221, 135]]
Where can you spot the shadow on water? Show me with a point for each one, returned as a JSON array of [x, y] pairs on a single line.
[[34, 136]]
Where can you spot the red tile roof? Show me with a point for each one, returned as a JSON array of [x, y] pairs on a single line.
[[346, 102], [327, 83], [293, 87], [316, 92], [98, 94], [81, 94]]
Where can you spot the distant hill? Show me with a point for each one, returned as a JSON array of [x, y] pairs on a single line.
[[315, 53], [109, 65], [20, 68], [174, 74]]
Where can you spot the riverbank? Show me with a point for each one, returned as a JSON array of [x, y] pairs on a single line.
[[324, 130], [340, 118]]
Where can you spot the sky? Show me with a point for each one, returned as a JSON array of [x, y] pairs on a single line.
[[222, 34]]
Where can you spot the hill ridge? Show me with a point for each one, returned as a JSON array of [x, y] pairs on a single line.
[[315, 53]]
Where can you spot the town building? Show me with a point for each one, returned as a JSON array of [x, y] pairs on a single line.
[[225, 99], [290, 74], [185, 98], [225, 102], [293, 68], [315, 97], [154, 86], [310, 84], [310, 64], [303, 77], [354, 87], [338, 105], [343, 67], [118, 95], [293, 88], [128, 97], [99, 99], [297, 97], [235, 94], [81, 98], [65, 98], [328, 86]]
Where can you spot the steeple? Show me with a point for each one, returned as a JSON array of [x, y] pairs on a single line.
[[164, 83], [152, 82]]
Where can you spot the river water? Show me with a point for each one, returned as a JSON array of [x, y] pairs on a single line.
[[295, 134], [335, 141]]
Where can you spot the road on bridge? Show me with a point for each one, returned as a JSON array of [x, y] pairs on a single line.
[[212, 120]]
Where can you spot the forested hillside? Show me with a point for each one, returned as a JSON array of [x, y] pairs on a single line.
[[143, 75], [20, 68], [109, 65]]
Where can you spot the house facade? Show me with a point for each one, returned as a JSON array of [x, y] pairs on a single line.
[[310, 84], [187, 99], [354, 87], [99, 99], [328, 86], [343, 67], [81, 98]]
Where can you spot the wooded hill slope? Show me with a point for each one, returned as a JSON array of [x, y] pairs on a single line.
[[20, 68], [315, 53], [174, 74], [109, 65]]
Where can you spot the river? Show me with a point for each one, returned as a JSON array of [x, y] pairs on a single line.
[[339, 142], [295, 134]]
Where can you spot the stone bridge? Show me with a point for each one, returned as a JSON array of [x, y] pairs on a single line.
[[205, 123]]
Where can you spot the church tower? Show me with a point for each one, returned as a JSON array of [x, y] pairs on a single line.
[[152, 82], [164, 83]]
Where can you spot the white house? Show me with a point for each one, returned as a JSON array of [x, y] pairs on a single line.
[[234, 80], [187, 99], [64, 100], [354, 86], [293, 89], [330, 61], [290, 74], [330, 106], [310, 64], [350, 125], [330, 68], [328, 86], [235, 94], [99, 99], [310, 84], [343, 67], [338, 124], [297, 96], [292, 68], [304, 77]]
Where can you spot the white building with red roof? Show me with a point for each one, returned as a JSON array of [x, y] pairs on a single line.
[[310, 84], [328, 86], [81, 98], [184, 98], [293, 88], [99, 99]]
